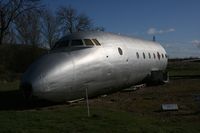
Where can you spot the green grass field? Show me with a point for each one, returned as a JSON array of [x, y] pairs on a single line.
[[181, 68], [74, 119], [121, 112]]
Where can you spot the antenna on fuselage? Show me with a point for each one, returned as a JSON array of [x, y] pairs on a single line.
[[154, 38]]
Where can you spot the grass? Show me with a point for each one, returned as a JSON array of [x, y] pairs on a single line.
[[131, 112], [74, 119], [180, 68]]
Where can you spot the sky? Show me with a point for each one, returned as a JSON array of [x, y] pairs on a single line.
[[175, 23]]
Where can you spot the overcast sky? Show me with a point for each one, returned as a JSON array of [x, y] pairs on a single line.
[[176, 23]]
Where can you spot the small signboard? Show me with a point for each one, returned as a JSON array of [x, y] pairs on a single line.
[[169, 107]]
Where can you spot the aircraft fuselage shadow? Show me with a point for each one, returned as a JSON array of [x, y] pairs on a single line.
[[14, 100]]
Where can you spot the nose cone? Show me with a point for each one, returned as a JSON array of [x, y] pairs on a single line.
[[44, 75]]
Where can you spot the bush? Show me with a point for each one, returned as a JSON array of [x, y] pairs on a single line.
[[14, 59]]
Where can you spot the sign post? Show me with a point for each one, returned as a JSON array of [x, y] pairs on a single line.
[[88, 107]]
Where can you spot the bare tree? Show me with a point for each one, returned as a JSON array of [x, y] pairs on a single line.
[[71, 22], [10, 10], [67, 17], [10, 36], [49, 28], [28, 28], [83, 23], [98, 28]]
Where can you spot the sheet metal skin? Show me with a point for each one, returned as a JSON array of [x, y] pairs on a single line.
[[63, 74]]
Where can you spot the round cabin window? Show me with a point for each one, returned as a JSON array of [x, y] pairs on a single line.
[[120, 51]]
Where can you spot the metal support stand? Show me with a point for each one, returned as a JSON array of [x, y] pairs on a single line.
[[88, 106]]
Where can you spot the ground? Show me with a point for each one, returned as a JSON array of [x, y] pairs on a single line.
[[135, 112]]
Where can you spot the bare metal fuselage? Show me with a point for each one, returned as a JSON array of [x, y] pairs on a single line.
[[64, 74]]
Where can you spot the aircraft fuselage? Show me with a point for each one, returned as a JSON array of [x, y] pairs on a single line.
[[99, 61]]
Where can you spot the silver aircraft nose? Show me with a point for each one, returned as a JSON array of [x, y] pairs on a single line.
[[46, 75]]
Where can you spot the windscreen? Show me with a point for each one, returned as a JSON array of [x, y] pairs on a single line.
[[61, 44], [77, 43]]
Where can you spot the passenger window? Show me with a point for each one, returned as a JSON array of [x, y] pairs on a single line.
[[144, 55], [137, 54], [120, 51], [154, 55], [88, 42], [149, 56], [162, 56], [96, 42], [158, 54], [61, 44], [77, 43]]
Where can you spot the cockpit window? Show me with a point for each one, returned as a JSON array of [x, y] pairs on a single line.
[[77, 43], [88, 42], [96, 42], [61, 44]]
